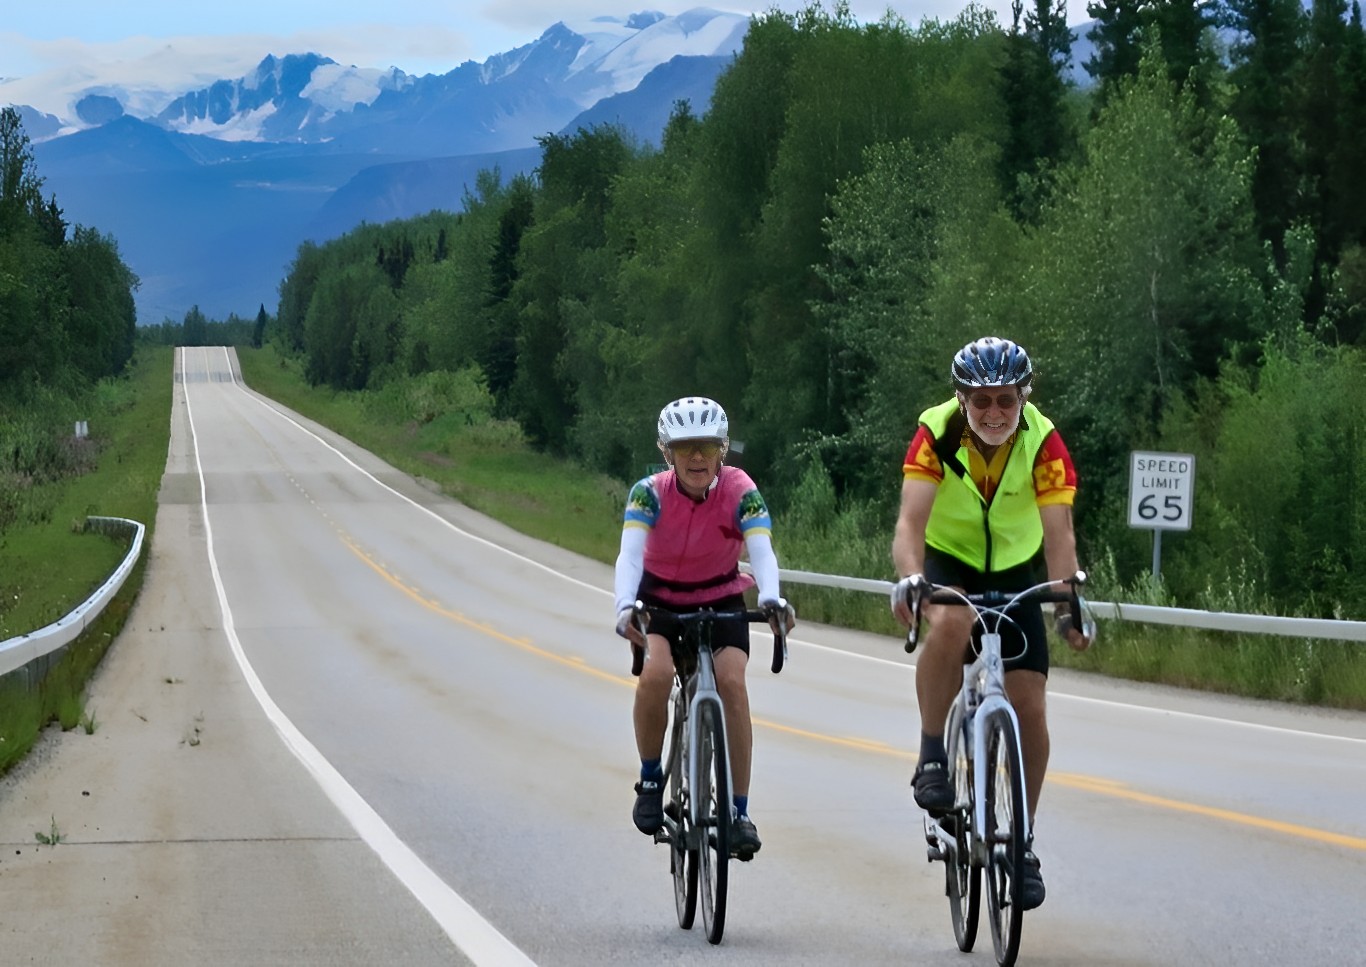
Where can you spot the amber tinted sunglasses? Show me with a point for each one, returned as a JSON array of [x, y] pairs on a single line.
[[686, 448]]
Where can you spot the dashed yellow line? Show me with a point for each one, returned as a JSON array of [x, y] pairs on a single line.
[[1102, 787]]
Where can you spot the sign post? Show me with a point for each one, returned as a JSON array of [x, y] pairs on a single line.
[[1161, 495]]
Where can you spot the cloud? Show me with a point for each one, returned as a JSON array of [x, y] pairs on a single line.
[[51, 74]]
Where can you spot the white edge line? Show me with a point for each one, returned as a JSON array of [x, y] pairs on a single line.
[[1052, 694], [476, 937]]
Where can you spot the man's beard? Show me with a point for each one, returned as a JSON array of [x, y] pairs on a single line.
[[993, 437]]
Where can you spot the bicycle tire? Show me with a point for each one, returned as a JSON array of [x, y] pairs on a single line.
[[682, 857], [1005, 810], [713, 803], [963, 876]]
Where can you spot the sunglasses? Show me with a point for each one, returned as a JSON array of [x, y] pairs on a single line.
[[1006, 401], [708, 448]]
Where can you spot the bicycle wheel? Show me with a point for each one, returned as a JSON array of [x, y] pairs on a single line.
[[713, 810], [682, 858], [1005, 834], [964, 877]]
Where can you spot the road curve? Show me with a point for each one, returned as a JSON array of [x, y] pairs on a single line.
[[352, 722]]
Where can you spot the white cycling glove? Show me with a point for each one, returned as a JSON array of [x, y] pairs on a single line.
[[780, 606], [624, 618], [902, 591]]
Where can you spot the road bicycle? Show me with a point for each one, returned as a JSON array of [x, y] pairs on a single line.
[[698, 807], [987, 832]]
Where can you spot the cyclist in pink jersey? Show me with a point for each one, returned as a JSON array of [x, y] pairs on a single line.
[[681, 542]]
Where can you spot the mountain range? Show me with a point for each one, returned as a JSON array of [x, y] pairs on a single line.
[[210, 191], [210, 188]]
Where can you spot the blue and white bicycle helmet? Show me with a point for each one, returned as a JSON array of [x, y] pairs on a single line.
[[991, 361]]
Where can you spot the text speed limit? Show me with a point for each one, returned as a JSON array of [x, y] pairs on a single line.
[[1161, 489]]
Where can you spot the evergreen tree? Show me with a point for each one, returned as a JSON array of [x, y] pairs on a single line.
[[1033, 90], [1266, 61], [1118, 39]]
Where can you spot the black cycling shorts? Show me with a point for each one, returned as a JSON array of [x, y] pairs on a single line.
[[1024, 643], [724, 634]]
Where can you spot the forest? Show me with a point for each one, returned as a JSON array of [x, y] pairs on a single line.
[[1178, 242], [67, 321]]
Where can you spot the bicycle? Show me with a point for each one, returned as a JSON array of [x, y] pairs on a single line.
[[988, 830], [697, 813]]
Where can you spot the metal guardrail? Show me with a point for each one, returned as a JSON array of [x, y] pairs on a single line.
[[17, 652], [1147, 613]]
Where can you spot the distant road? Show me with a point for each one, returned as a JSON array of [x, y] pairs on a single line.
[[352, 722]]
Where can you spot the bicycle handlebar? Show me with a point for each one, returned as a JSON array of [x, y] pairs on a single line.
[[997, 602], [755, 616]]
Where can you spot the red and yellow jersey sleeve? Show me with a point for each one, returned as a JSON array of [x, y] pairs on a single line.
[[1055, 477], [921, 462]]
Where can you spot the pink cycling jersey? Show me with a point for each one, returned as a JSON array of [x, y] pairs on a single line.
[[693, 547]]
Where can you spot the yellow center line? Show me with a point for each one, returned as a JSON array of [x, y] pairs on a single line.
[[482, 627], [1102, 787], [1119, 790]]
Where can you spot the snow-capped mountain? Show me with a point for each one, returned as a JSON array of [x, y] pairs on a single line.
[[310, 98], [209, 184]]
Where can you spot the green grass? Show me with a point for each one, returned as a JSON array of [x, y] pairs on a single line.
[[51, 564]]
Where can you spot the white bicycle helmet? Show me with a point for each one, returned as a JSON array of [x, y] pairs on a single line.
[[693, 418]]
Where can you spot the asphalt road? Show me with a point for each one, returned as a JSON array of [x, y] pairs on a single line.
[[352, 722]]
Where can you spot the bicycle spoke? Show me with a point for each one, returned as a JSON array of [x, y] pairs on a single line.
[[1005, 836], [963, 877], [682, 860], [713, 807]]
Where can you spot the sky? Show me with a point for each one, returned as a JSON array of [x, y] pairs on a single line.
[[228, 39]]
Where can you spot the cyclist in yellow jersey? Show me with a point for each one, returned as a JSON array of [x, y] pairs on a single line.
[[986, 504]]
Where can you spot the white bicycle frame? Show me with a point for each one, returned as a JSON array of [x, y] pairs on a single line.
[[983, 692]]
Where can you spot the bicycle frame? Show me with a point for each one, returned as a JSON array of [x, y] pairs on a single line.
[[702, 684], [982, 725], [981, 694], [698, 830], [698, 683], [983, 690]]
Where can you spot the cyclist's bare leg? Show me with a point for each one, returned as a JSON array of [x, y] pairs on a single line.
[[730, 682], [939, 669], [1028, 691], [651, 712]]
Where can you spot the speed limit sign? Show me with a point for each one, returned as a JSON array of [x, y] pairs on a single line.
[[1161, 486]]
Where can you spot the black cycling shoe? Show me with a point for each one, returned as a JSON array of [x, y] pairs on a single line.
[[932, 790], [648, 813], [1032, 890], [744, 839]]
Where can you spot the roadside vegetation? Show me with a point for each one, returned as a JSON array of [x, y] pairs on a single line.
[[49, 561]]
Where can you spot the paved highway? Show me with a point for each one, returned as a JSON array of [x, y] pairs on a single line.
[[352, 722]]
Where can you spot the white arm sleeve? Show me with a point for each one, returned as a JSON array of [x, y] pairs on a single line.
[[764, 563], [630, 566]]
